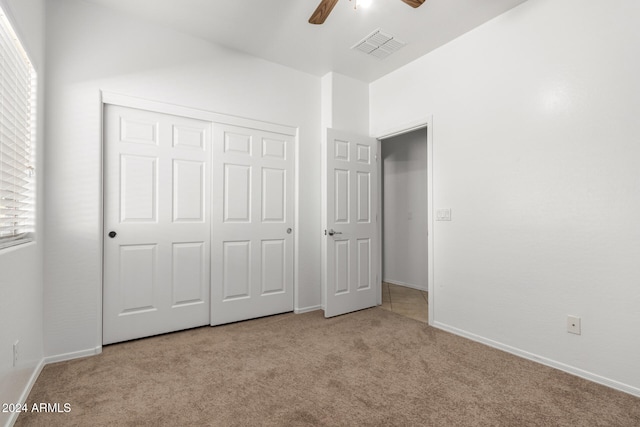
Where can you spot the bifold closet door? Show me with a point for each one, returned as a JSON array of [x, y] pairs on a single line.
[[157, 223]]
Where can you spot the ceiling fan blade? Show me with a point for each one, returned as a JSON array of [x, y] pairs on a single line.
[[322, 11], [414, 3]]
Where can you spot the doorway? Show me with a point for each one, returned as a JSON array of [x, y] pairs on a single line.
[[404, 225]]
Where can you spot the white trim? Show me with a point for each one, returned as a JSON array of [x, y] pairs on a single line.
[[430, 224], [379, 219], [307, 309], [296, 218], [73, 355], [399, 130], [626, 388], [13, 417], [405, 128], [406, 285], [100, 290], [194, 113]]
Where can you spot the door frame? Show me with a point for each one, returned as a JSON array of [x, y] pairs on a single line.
[[113, 98], [400, 129]]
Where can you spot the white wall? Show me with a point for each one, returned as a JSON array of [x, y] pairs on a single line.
[[345, 104], [536, 151], [21, 266], [404, 213], [91, 49]]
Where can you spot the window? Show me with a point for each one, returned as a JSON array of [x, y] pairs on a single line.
[[17, 139]]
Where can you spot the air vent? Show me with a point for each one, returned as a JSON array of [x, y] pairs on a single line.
[[378, 44]]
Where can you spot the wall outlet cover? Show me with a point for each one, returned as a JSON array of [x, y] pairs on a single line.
[[573, 325]]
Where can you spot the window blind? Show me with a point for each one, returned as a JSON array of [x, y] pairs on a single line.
[[17, 137]]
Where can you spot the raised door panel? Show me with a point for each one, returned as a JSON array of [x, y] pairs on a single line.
[[341, 150], [342, 197], [236, 270], [237, 193], [364, 197], [138, 188], [188, 191], [138, 278], [363, 154], [342, 254], [273, 266], [236, 143], [189, 267], [138, 130], [274, 195], [274, 148], [192, 138], [364, 263]]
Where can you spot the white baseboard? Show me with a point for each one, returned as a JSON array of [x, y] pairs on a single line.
[[407, 285], [38, 369], [73, 355], [626, 388], [307, 309], [25, 393]]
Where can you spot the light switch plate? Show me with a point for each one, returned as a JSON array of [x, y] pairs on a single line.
[[443, 215]]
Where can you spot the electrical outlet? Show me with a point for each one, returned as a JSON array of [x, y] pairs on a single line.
[[573, 325], [16, 352]]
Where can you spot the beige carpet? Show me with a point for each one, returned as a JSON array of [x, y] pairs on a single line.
[[370, 368]]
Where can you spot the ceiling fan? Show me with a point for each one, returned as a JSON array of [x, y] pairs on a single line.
[[326, 6]]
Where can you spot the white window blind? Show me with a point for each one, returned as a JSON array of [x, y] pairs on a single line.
[[17, 137]]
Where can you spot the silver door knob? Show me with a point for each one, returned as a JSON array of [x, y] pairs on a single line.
[[289, 230], [331, 232]]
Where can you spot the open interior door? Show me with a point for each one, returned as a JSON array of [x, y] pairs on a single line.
[[350, 255]]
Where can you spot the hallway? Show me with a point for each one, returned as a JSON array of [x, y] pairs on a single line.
[[405, 301]]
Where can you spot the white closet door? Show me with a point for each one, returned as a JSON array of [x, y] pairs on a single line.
[[157, 223], [253, 217]]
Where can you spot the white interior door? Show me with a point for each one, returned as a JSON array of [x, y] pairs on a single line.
[[350, 258], [157, 223], [253, 217]]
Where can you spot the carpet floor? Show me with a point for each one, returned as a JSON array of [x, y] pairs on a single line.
[[369, 368]]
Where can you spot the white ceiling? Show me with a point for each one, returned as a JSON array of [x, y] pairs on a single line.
[[278, 31]]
